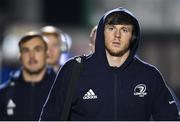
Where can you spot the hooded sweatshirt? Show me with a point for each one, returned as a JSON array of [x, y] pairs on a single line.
[[133, 91]]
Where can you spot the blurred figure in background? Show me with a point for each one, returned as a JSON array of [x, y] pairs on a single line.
[[57, 45], [23, 95], [92, 39]]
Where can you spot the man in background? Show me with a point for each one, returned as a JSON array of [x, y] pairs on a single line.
[[57, 45], [92, 37], [23, 95]]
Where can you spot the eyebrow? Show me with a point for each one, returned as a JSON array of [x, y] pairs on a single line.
[[108, 25], [124, 26], [37, 46]]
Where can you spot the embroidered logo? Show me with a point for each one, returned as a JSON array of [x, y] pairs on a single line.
[[90, 95], [140, 90], [171, 102], [10, 107], [78, 59]]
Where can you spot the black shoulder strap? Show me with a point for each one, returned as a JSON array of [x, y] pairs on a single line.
[[76, 72]]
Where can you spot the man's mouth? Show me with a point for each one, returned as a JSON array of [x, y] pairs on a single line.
[[116, 44], [32, 62]]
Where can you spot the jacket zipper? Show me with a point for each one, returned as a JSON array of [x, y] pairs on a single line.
[[115, 96], [32, 101]]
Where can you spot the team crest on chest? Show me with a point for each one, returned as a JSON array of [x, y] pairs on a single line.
[[140, 90]]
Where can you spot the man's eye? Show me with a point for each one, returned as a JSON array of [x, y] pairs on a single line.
[[38, 49], [125, 30], [110, 28], [25, 51]]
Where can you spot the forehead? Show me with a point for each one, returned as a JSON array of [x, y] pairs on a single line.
[[33, 42], [52, 39]]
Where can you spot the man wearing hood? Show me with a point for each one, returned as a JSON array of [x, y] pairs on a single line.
[[114, 83]]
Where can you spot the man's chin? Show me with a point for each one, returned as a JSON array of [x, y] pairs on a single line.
[[33, 71], [116, 53]]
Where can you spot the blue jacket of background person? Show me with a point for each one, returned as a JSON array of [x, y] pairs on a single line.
[[20, 100]]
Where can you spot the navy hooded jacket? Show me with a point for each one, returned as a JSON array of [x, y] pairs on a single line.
[[133, 91], [20, 100]]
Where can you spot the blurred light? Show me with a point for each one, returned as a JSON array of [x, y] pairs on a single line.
[[67, 42], [10, 47]]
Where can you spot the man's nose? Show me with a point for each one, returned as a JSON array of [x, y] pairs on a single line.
[[118, 33], [32, 54]]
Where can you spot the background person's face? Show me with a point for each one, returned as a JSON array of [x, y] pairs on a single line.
[[117, 39], [93, 39], [54, 50], [33, 56]]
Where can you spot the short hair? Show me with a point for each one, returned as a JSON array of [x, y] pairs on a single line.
[[32, 34], [51, 30], [119, 18], [63, 38]]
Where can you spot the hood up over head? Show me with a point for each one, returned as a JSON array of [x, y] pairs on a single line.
[[100, 42]]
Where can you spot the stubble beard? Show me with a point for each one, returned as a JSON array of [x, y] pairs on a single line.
[[119, 53], [34, 72]]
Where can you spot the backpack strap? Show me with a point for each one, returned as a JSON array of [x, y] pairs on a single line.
[[76, 72]]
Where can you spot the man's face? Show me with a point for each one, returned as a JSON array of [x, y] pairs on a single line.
[[54, 50], [92, 43], [117, 39], [33, 55]]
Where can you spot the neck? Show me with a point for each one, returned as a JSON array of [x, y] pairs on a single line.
[[116, 61], [33, 78]]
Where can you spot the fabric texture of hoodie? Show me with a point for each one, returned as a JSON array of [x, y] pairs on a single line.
[[20, 100], [133, 91]]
